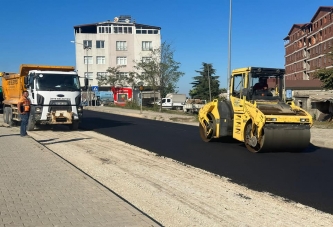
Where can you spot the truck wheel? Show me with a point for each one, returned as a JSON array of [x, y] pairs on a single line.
[[11, 122], [74, 125], [5, 115], [31, 124]]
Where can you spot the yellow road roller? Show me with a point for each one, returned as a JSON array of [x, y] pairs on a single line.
[[258, 113]]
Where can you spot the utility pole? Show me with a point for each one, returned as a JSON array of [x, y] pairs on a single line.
[[87, 48], [210, 93], [229, 57]]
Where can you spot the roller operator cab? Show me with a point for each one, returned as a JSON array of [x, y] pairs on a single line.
[[257, 113], [54, 92]]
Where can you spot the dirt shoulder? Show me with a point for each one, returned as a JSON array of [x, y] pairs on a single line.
[[173, 193]]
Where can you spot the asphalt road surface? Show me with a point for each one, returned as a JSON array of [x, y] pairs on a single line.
[[305, 177]]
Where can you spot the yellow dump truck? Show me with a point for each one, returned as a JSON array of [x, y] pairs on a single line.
[[54, 91], [264, 119]]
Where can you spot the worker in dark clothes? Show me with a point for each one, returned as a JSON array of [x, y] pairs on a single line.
[[261, 85]]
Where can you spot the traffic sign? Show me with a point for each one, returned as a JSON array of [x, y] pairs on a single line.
[[94, 88]]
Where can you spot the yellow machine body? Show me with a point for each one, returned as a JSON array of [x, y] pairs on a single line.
[[263, 119]]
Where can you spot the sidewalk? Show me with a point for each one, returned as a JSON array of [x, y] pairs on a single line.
[[38, 188], [319, 137]]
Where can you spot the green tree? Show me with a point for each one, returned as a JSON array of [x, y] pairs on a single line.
[[112, 78], [169, 70], [160, 70], [200, 86], [326, 75], [223, 90]]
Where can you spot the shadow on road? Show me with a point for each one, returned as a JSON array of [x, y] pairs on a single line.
[[49, 141], [229, 140]]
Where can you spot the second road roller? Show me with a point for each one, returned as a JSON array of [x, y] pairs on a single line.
[[259, 112]]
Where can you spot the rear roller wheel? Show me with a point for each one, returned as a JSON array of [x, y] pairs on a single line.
[[207, 133], [251, 140]]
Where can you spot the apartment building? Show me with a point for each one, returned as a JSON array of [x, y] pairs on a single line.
[[112, 43], [307, 44]]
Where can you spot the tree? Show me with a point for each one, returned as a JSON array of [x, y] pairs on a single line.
[[201, 84], [326, 75], [111, 78], [169, 70], [223, 90], [160, 70]]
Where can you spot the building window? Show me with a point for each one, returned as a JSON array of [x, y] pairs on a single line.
[[146, 59], [87, 43], [102, 75], [147, 45], [122, 29], [121, 45], [121, 60], [100, 44], [90, 75], [122, 75], [100, 60], [146, 31], [88, 60], [104, 29]]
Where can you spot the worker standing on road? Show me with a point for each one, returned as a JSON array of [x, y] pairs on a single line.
[[23, 108]]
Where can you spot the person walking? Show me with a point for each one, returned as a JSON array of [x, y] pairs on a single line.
[[23, 108]]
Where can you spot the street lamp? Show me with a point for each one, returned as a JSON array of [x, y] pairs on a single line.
[[86, 48]]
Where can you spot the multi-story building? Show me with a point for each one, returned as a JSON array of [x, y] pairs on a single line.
[[110, 44], [307, 44]]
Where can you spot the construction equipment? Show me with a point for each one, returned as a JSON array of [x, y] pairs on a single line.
[[55, 95], [262, 119]]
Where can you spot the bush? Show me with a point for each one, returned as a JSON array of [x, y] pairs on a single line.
[[132, 105]]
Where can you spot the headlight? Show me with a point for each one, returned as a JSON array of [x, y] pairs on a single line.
[[304, 120], [38, 109], [271, 119], [79, 109]]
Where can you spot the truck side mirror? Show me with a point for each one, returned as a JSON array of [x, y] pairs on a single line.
[[26, 82], [86, 83]]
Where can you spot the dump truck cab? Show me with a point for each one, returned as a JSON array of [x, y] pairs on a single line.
[[55, 96], [54, 92]]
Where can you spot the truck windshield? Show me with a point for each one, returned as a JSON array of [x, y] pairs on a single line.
[[57, 82]]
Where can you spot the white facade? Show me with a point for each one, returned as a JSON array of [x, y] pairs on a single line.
[[112, 43]]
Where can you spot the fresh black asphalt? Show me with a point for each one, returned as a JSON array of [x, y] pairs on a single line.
[[305, 177]]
